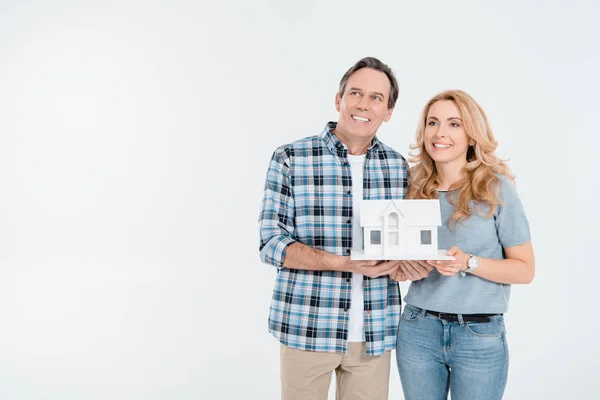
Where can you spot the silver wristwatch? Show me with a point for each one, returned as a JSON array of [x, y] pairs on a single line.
[[472, 263]]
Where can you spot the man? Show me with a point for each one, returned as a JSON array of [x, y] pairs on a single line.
[[329, 312]]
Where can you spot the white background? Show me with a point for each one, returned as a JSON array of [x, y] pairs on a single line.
[[134, 141]]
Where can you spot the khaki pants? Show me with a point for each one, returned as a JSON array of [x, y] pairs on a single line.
[[306, 375]]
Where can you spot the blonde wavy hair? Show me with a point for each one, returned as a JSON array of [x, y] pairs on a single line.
[[479, 181]]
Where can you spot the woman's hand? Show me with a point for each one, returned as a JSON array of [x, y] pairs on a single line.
[[415, 270], [451, 267], [398, 275]]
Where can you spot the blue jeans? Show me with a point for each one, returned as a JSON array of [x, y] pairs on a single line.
[[469, 359]]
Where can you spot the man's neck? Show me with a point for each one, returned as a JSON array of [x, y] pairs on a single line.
[[356, 146]]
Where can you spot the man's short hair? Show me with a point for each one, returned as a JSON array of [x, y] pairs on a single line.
[[373, 63]]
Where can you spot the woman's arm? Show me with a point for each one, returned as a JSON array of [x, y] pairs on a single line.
[[517, 267]]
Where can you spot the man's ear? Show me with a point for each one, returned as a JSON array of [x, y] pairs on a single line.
[[388, 114], [338, 101]]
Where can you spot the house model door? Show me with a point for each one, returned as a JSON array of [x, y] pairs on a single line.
[[393, 239]]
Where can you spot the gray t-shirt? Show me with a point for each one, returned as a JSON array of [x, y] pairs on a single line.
[[483, 237]]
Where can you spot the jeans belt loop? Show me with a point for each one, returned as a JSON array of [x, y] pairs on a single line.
[[461, 322]]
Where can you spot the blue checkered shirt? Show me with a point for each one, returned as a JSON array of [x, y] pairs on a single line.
[[308, 199]]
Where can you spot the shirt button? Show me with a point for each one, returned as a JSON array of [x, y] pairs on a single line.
[[348, 279], [349, 192], [345, 309], [349, 221], [348, 251]]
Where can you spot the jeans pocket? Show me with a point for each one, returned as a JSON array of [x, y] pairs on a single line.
[[411, 313], [494, 328]]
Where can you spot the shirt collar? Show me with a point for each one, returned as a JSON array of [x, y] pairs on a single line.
[[335, 145]]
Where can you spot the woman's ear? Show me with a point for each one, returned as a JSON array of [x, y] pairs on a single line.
[[470, 153]]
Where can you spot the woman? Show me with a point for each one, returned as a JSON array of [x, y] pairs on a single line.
[[451, 335]]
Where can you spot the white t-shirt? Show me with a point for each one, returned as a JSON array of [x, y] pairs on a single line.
[[356, 331]]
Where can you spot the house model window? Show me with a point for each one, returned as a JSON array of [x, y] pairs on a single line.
[[426, 237], [376, 237], [400, 230]]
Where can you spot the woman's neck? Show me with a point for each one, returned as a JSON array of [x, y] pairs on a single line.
[[448, 175]]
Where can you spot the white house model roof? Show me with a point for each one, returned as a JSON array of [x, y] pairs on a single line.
[[411, 212]]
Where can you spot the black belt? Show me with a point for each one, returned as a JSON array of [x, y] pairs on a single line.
[[465, 317]]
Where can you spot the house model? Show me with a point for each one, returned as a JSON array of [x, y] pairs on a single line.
[[400, 230]]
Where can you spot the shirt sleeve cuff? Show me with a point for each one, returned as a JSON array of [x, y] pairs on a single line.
[[275, 250]]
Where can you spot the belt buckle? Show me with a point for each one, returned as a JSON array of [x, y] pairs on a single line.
[[449, 317]]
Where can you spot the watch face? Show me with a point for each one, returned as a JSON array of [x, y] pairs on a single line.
[[472, 263]]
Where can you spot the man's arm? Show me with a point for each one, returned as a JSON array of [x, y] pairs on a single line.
[[301, 256], [276, 218], [278, 247]]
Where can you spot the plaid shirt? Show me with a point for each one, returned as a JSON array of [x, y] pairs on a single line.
[[308, 199]]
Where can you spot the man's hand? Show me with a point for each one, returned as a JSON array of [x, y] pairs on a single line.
[[373, 269], [398, 275], [415, 270]]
